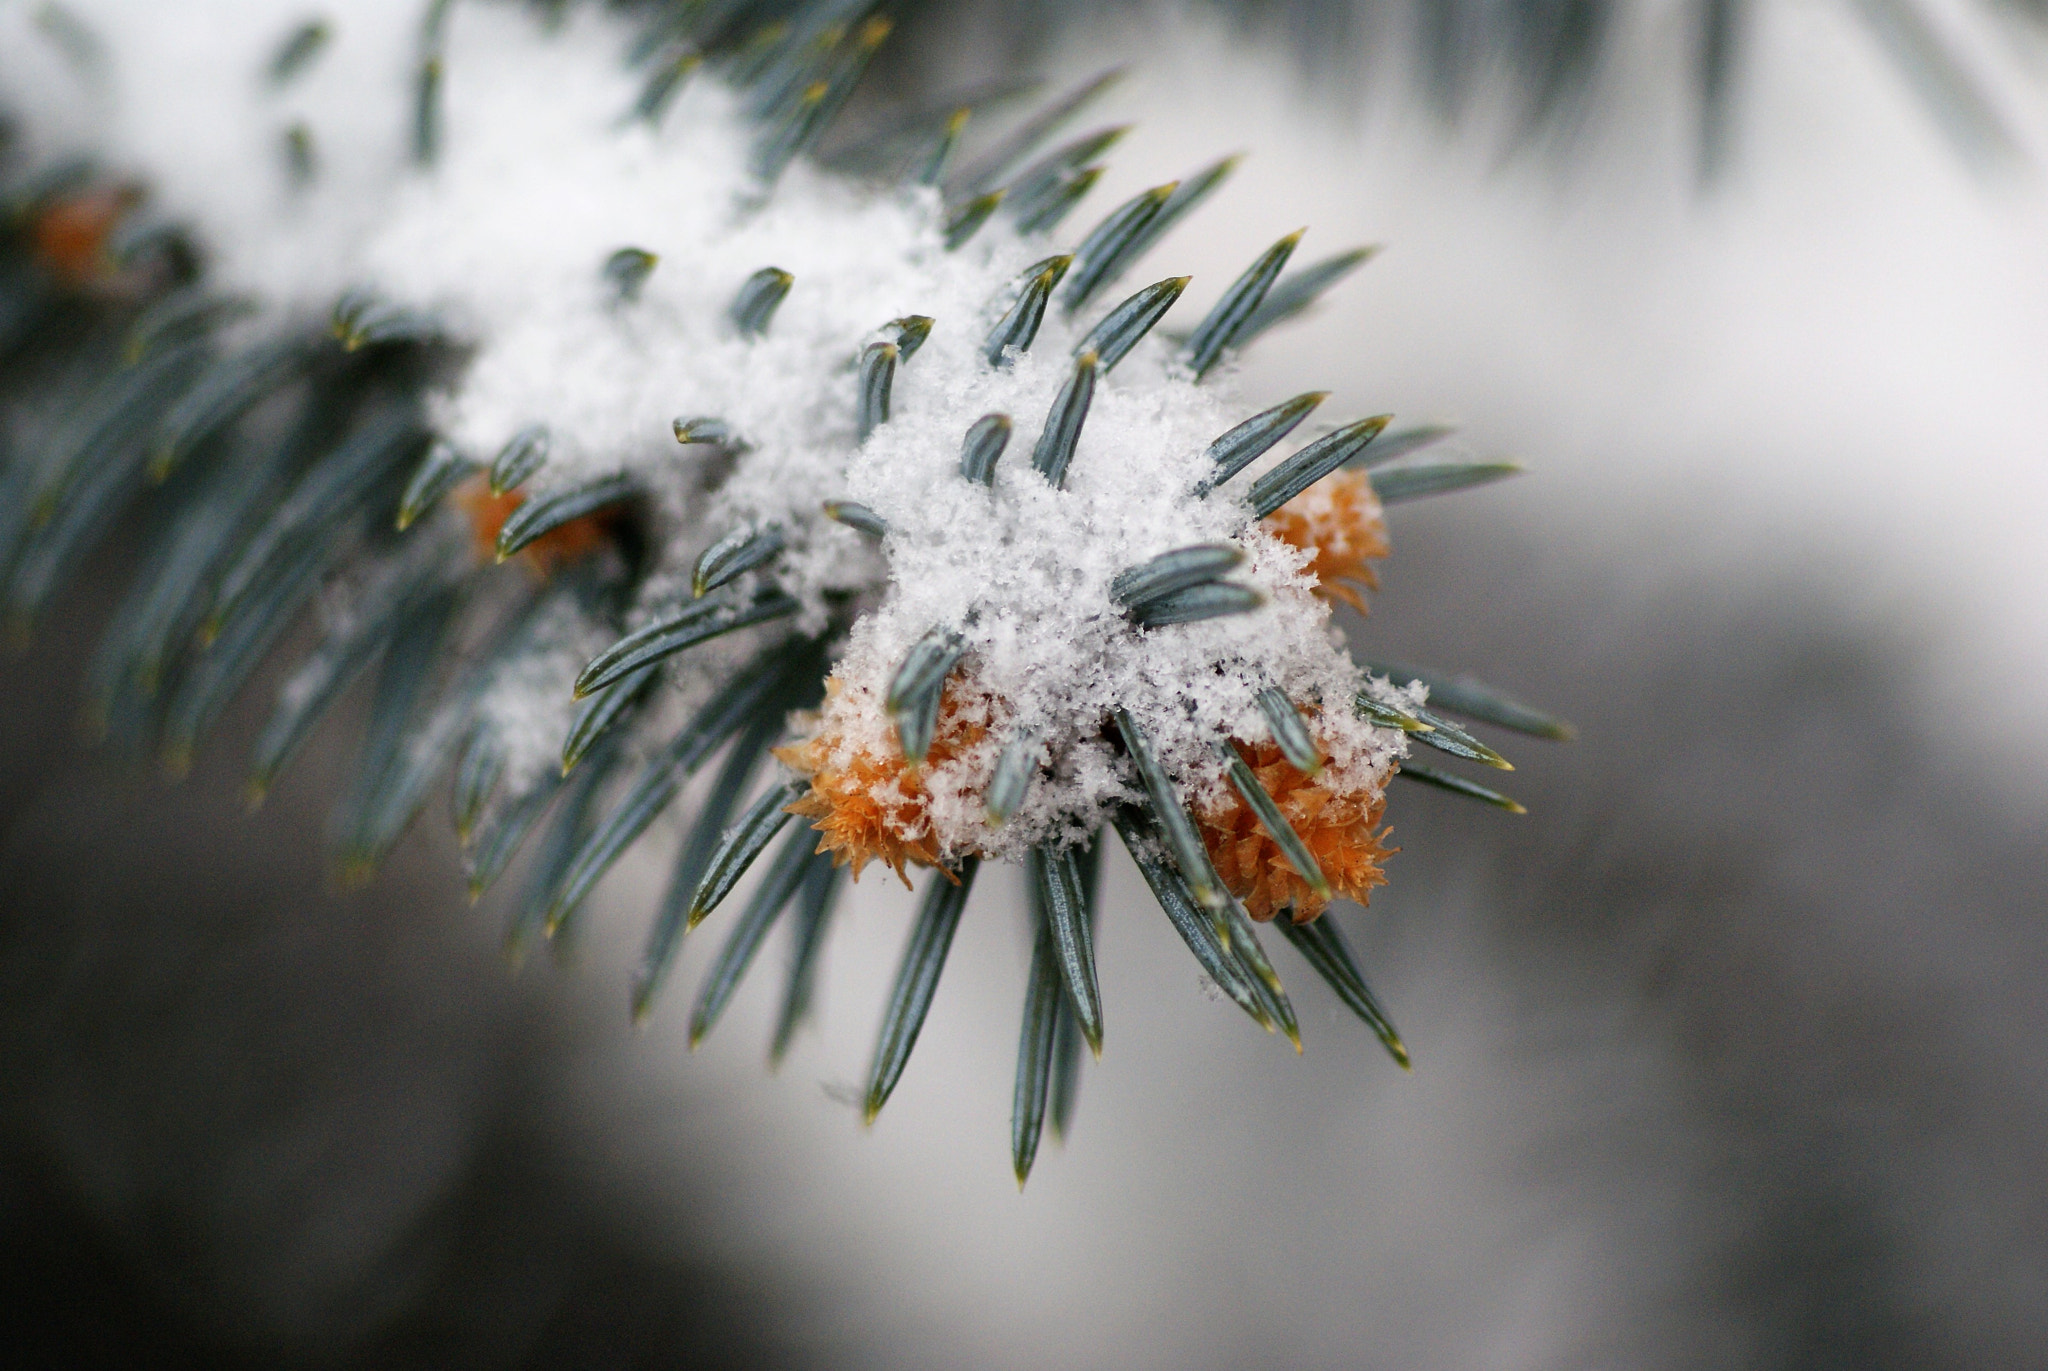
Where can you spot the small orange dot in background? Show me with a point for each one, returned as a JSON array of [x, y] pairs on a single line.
[[71, 234], [553, 550]]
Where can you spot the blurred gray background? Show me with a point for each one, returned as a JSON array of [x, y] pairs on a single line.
[[1727, 1054]]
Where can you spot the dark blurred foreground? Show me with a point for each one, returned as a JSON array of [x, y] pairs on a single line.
[[251, 1119]]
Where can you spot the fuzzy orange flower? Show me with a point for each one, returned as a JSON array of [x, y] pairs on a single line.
[[871, 807], [553, 550], [1338, 519], [1337, 827], [71, 234]]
